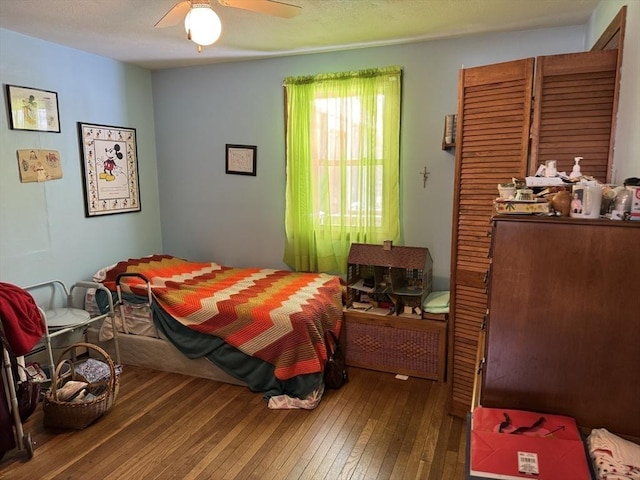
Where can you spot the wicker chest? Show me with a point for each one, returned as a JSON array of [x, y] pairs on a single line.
[[396, 344]]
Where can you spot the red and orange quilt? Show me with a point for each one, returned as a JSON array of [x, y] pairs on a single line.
[[275, 315]]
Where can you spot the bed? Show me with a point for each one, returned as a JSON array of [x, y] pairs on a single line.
[[262, 328]]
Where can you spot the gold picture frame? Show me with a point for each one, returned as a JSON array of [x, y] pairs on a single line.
[[32, 109], [110, 169]]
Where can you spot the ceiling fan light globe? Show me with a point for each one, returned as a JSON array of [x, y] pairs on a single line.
[[203, 25]]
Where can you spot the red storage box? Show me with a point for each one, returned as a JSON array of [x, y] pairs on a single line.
[[515, 444]]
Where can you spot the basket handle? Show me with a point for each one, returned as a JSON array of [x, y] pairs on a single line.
[[91, 346]]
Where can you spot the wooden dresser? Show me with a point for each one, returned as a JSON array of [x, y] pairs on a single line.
[[563, 330]]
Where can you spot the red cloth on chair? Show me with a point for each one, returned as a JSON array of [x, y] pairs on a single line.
[[21, 320]]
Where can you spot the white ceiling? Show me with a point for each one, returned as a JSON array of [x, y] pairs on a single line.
[[124, 29]]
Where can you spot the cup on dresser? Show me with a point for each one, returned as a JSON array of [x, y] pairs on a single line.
[[524, 194], [507, 191], [550, 168], [586, 201]]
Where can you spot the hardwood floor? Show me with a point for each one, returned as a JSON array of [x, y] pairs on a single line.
[[166, 426]]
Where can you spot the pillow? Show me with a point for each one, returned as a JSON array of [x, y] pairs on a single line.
[[437, 302]]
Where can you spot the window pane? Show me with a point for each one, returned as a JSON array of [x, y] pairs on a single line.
[[336, 145]]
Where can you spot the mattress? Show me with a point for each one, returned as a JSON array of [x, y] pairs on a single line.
[[142, 345], [159, 354]]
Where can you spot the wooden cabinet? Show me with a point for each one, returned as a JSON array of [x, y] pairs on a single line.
[[499, 127], [384, 329], [563, 330]]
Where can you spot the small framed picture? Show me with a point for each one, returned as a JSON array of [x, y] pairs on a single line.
[[32, 109], [241, 159], [110, 169]]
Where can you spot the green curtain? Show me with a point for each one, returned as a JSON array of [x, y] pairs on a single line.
[[342, 145]]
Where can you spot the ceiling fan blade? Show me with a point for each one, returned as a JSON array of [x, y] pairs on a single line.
[[175, 15], [270, 7]]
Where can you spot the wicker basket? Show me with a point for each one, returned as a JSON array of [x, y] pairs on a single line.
[[78, 415]]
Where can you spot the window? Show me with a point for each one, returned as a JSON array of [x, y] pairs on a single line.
[[342, 138]]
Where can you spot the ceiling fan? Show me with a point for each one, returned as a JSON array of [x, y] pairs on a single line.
[[203, 25], [268, 7]]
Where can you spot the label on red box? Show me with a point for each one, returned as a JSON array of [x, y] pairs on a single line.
[[635, 201]]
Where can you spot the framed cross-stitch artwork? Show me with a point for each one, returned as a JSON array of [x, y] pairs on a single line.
[[241, 159], [110, 169]]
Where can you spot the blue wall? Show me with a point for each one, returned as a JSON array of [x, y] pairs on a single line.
[[239, 220], [43, 230]]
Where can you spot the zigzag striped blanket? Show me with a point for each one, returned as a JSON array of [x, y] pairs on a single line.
[[277, 316]]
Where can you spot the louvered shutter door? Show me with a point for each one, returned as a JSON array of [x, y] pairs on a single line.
[[494, 105], [574, 107]]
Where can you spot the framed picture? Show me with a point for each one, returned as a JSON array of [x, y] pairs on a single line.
[[241, 159], [110, 169], [32, 109]]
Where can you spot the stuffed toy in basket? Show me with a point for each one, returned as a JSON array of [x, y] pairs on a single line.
[[74, 402]]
